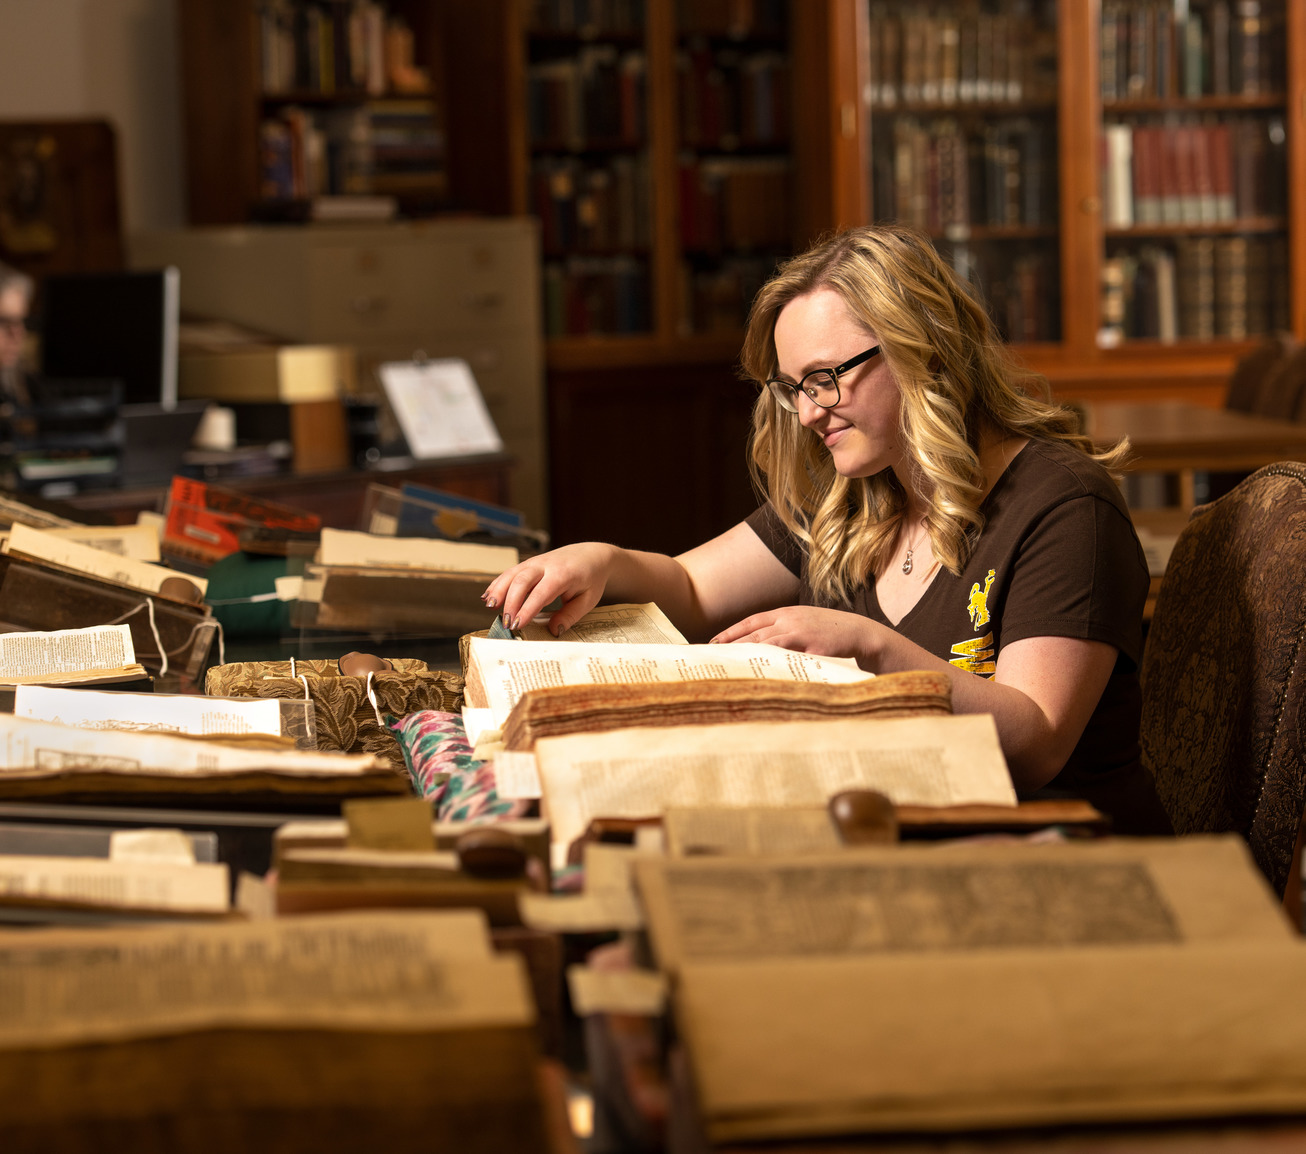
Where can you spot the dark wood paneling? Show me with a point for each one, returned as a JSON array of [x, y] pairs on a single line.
[[652, 458]]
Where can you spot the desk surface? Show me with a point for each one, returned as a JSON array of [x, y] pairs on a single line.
[[1175, 435]]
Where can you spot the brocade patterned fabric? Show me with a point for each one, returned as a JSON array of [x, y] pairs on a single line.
[[1222, 675], [345, 720]]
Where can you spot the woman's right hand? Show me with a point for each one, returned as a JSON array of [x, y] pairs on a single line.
[[578, 574]]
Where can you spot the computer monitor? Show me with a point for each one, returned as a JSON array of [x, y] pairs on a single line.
[[119, 325]]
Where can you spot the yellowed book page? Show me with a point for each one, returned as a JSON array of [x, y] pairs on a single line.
[[35, 654], [956, 897], [179, 713], [347, 548], [755, 831], [379, 971], [594, 991], [41, 748], [991, 1038], [507, 669], [42, 546], [624, 624], [139, 542], [643, 772], [202, 887]]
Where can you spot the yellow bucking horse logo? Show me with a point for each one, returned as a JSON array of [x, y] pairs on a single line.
[[977, 605]]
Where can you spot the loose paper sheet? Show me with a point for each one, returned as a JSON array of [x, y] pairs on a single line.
[[350, 549], [40, 748], [439, 408], [507, 669], [944, 760], [642, 992], [139, 542], [613, 624], [148, 712], [755, 831], [516, 776], [121, 570], [201, 887]]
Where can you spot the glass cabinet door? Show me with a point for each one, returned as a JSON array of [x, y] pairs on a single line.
[[1194, 167], [962, 99]]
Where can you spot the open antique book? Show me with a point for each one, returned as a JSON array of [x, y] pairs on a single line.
[[388, 1031], [498, 672], [971, 986], [640, 773], [99, 654]]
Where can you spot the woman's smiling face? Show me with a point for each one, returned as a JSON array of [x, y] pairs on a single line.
[[861, 432]]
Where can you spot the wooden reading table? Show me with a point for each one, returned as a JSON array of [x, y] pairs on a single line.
[[1178, 437]]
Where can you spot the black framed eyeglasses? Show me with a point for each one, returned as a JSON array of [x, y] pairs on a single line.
[[820, 385]]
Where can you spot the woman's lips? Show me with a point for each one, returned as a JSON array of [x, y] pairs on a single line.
[[833, 436]]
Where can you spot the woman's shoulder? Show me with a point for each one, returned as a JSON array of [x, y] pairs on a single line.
[[1058, 471]]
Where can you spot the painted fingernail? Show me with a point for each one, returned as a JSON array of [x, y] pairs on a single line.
[[490, 602]]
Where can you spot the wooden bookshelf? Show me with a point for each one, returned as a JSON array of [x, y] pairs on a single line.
[[481, 56]]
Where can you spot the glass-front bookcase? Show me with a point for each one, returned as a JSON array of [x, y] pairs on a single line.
[[962, 99]]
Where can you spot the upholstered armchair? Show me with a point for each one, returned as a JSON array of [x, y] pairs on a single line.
[[1224, 680]]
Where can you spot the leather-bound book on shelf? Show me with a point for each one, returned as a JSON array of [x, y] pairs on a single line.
[[560, 710]]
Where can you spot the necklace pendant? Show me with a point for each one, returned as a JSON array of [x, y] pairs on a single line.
[[906, 565]]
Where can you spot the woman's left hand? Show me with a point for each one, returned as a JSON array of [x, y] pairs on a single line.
[[807, 629]]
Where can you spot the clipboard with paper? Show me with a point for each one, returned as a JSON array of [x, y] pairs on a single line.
[[439, 408]]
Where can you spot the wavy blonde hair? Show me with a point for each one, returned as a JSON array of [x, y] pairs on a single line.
[[957, 379]]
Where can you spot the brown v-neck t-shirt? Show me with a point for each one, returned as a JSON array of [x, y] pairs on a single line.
[[1058, 557]]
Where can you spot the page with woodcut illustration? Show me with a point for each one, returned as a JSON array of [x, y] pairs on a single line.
[[636, 773], [975, 986]]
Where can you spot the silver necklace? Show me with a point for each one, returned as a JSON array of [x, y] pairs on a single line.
[[906, 564]]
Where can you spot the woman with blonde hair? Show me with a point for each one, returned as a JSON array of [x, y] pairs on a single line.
[[926, 508]]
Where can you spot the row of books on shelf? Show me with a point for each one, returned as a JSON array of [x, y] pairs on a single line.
[[730, 99], [1190, 172], [384, 147], [717, 293], [591, 207], [592, 99], [596, 294], [735, 202], [1201, 288], [1162, 50], [956, 53], [1019, 284], [943, 175], [335, 46], [588, 17]]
